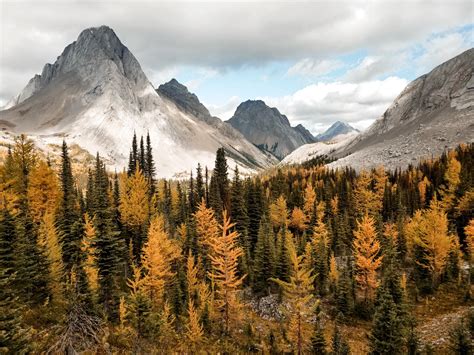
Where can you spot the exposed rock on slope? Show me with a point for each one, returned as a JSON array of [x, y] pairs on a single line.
[[337, 128], [434, 112], [267, 128], [96, 95]]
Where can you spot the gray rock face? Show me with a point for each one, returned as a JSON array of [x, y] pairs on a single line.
[[96, 95], [308, 136], [433, 113], [335, 130], [179, 93], [267, 128]]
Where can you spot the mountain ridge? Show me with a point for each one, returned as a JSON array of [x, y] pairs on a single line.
[[95, 95]]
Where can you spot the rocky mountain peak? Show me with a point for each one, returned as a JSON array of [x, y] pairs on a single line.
[[181, 96], [337, 128], [97, 52], [268, 129], [259, 110]]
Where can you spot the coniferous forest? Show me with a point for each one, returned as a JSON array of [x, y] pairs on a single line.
[[300, 259]]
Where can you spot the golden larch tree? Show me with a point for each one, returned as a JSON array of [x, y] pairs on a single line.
[[87, 247], [43, 191], [49, 241], [279, 213], [225, 259], [452, 177], [469, 231], [194, 329], [309, 201], [298, 293], [333, 271], [298, 219], [134, 199], [428, 230], [207, 227], [367, 258], [159, 253]]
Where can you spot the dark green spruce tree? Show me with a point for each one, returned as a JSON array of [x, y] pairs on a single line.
[[387, 333], [107, 243], [13, 334]]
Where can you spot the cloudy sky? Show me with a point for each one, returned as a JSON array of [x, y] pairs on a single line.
[[316, 61]]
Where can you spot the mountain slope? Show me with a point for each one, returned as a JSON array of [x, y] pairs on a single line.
[[96, 95], [336, 129], [267, 128], [434, 112]]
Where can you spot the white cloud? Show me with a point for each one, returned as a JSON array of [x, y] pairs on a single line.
[[311, 67], [317, 106], [441, 48], [203, 75], [226, 110], [164, 34], [371, 67]]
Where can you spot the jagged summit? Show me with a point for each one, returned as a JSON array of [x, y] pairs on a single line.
[[180, 94], [267, 128], [337, 128]]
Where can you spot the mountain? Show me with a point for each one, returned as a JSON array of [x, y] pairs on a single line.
[[267, 128], [433, 113], [336, 129], [96, 95]]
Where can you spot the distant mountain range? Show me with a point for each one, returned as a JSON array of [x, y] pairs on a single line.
[[95, 95]]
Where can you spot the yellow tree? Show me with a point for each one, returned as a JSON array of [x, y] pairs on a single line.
[[225, 259], [298, 219], [469, 231], [366, 254], [309, 201], [43, 191], [422, 186], [452, 177], [134, 207], [194, 329], [87, 247], [159, 254], [207, 227], [368, 199], [298, 293], [333, 272], [192, 281], [49, 241], [428, 230], [279, 213]]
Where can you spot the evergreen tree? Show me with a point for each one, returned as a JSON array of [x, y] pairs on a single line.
[[150, 171], [134, 158], [107, 242], [221, 180], [387, 333], [339, 343], [69, 221], [318, 341], [200, 188], [141, 157], [238, 212], [264, 259]]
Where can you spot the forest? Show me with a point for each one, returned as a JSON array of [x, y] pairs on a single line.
[[298, 259]]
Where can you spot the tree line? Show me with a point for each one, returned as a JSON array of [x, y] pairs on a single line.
[[140, 263]]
